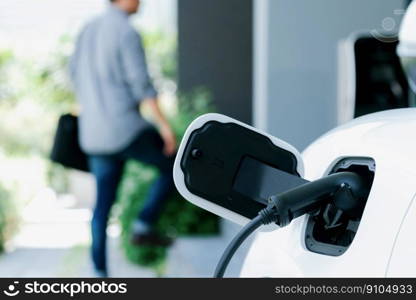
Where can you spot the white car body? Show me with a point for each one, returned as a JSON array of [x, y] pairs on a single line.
[[385, 243]]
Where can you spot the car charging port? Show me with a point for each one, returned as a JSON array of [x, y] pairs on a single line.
[[332, 228]]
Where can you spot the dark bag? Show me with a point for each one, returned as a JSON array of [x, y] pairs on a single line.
[[66, 149]]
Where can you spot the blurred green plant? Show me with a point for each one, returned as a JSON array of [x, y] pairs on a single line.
[[161, 54], [6, 58], [42, 92], [191, 105], [47, 82], [179, 216], [8, 217]]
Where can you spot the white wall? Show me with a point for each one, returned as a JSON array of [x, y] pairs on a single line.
[[296, 61]]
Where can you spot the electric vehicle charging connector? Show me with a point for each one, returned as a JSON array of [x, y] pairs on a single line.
[[346, 188]]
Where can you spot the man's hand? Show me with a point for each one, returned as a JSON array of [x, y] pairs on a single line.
[[169, 139], [164, 128]]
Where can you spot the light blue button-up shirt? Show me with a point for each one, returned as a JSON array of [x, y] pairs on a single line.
[[110, 77]]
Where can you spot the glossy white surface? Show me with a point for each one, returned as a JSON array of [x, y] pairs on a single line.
[[407, 33], [384, 244]]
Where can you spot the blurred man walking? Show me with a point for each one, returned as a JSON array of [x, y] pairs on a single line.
[[110, 77]]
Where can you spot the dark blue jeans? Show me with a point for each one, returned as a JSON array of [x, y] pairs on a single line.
[[108, 169]]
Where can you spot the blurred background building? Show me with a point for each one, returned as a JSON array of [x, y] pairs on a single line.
[[296, 58], [276, 62], [294, 68]]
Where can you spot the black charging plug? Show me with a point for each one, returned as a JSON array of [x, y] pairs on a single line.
[[346, 188]]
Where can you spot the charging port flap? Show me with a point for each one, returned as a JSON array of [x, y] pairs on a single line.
[[234, 166]]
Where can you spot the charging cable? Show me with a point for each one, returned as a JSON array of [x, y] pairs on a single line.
[[345, 188]]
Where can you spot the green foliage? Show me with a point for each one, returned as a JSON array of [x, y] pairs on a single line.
[[161, 54], [47, 82], [190, 106], [6, 57], [38, 92], [42, 92], [8, 217], [179, 217]]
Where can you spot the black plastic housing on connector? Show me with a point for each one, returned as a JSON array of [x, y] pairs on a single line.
[[345, 188]]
